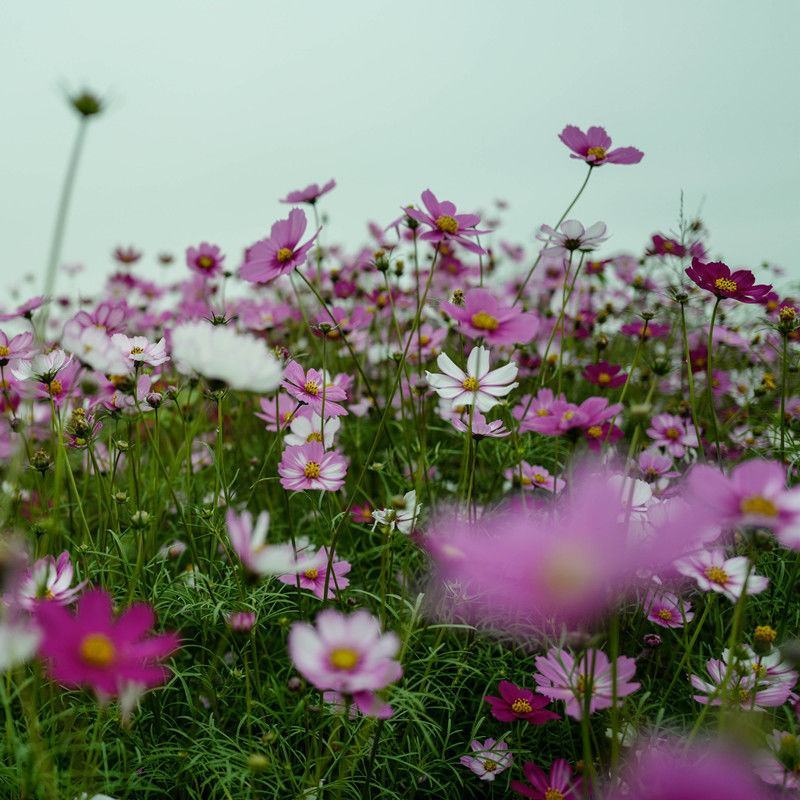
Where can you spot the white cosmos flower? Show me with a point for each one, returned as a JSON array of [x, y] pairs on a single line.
[[44, 366], [220, 353], [94, 347], [305, 428], [401, 515], [477, 386], [138, 350]]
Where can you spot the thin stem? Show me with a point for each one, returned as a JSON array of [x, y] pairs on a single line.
[[690, 379], [710, 379]]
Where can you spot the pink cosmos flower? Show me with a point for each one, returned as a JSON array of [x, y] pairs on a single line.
[[666, 246], [593, 147], [561, 677], [477, 386], [310, 467], [483, 316], [605, 375], [19, 346], [654, 465], [49, 580], [534, 477], [25, 310], [445, 223], [516, 702], [666, 609], [488, 759], [654, 330], [314, 575], [241, 621], [570, 236], [347, 654], [559, 784], [716, 277], [481, 429], [205, 259], [589, 416], [127, 255], [713, 572], [755, 495], [278, 412], [313, 389], [137, 350], [668, 771], [673, 433], [310, 194], [779, 765], [426, 342], [362, 515], [280, 252], [93, 648]]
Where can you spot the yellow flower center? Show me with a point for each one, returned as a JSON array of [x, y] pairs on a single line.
[[568, 415], [55, 387], [484, 321], [447, 224], [553, 794], [314, 437], [725, 285], [539, 478], [97, 650], [786, 314], [343, 658], [489, 765], [758, 505], [542, 412], [4, 351], [311, 387], [598, 152], [668, 246], [312, 574], [311, 470], [665, 614], [672, 433], [765, 633], [717, 575], [595, 431], [284, 255], [471, 384], [137, 351], [603, 378], [205, 262], [525, 480], [521, 706], [423, 340]]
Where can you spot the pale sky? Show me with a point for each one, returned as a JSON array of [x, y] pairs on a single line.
[[219, 108]]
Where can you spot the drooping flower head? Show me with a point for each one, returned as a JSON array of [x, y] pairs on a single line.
[[310, 194], [594, 147]]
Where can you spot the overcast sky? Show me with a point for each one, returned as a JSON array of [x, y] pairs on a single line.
[[220, 108]]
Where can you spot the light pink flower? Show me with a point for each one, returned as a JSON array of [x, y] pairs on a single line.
[[673, 433], [313, 576], [310, 467], [313, 389], [137, 350], [444, 223], [49, 580], [488, 759], [713, 572]]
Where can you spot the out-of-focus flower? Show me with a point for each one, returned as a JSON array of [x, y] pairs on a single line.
[[205, 259], [594, 147], [779, 764], [559, 784], [401, 515], [483, 316], [241, 621], [488, 759], [481, 429], [571, 236], [43, 367], [19, 346], [137, 350], [310, 194], [673, 433], [605, 375], [49, 580], [532, 476], [19, 640]]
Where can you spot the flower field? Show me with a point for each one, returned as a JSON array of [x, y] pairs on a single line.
[[442, 513]]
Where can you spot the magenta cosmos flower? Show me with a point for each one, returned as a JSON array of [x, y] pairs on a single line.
[[483, 316], [488, 759], [310, 194], [593, 147], [755, 495], [673, 433], [310, 467], [280, 252], [445, 223], [516, 702], [559, 784], [717, 278], [605, 375], [562, 677], [205, 259], [346, 654], [312, 389], [94, 648]]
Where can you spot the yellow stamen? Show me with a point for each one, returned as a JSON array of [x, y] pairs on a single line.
[[314, 437], [284, 255], [672, 433], [665, 614], [484, 321], [4, 351], [311, 387], [489, 765], [759, 506], [725, 285], [521, 706], [205, 262], [311, 470], [55, 387], [553, 794], [97, 650], [595, 432], [717, 575], [471, 384], [447, 224], [598, 152], [603, 378], [343, 658], [137, 351], [312, 574]]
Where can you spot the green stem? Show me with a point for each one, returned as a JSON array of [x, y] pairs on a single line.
[[710, 379]]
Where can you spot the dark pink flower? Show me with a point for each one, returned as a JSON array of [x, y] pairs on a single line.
[[127, 255], [664, 246], [558, 785], [483, 316], [94, 648], [445, 223], [716, 277], [605, 375], [310, 194], [654, 330], [280, 252], [205, 259], [593, 147], [515, 703]]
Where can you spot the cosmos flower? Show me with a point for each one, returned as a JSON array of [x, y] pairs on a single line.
[[571, 236], [605, 375], [43, 367], [205, 259], [313, 389], [483, 316], [516, 702], [477, 386], [445, 224], [25, 310], [713, 572], [137, 350], [309, 466], [401, 515], [665, 246], [488, 759], [49, 580], [532, 476], [310, 194], [19, 640], [281, 252], [561, 676], [594, 147], [306, 426], [313, 577], [673, 433], [94, 648], [716, 277], [278, 412], [481, 429], [666, 609], [559, 784], [637, 329], [347, 654], [17, 347], [779, 764]]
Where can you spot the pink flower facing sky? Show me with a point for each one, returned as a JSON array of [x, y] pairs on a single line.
[[311, 388], [205, 259], [94, 648], [717, 278], [309, 466], [483, 316], [49, 580], [559, 784], [561, 677], [280, 252], [312, 577], [347, 654], [754, 495], [713, 572], [310, 194], [516, 702], [477, 386], [443, 223], [673, 433], [594, 147], [489, 758]]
